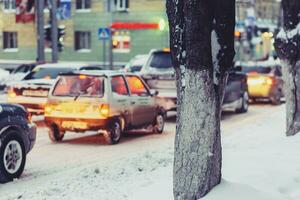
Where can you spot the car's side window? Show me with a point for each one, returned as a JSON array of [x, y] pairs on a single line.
[[136, 86], [118, 85], [21, 69]]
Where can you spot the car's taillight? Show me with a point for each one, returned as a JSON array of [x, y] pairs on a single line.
[[48, 109], [270, 81], [11, 93], [104, 110]]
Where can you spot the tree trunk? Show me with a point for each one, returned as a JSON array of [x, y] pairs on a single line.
[[202, 47], [287, 46]]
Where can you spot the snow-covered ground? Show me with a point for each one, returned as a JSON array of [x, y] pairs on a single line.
[[259, 163]]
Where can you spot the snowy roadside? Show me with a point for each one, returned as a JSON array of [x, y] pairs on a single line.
[[259, 163], [116, 180]]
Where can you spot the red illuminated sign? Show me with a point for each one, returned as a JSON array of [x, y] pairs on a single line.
[[134, 25]]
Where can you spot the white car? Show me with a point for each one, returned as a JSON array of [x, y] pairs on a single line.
[[32, 91], [136, 63], [3, 75], [16, 75]]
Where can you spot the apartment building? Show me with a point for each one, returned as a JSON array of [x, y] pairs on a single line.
[[139, 26]]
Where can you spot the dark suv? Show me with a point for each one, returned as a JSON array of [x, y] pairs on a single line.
[[17, 137], [159, 74]]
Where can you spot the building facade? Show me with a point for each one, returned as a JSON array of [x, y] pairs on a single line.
[[140, 25], [268, 10]]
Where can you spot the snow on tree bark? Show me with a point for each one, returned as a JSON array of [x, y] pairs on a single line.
[[287, 46], [202, 48]]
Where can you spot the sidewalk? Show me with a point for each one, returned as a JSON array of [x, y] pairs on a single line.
[[259, 163]]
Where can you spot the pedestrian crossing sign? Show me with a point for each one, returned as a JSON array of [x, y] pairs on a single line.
[[103, 33]]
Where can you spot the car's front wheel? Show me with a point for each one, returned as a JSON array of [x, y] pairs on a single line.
[[12, 156], [55, 135], [244, 103], [114, 133]]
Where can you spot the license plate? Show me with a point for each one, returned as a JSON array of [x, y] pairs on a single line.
[[74, 125], [35, 93]]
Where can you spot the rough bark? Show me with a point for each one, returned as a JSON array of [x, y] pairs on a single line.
[[201, 73], [287, 45]]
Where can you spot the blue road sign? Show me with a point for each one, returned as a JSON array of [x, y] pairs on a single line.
[[103, 33]]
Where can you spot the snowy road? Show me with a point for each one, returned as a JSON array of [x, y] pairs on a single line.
[[80, 149], [50, 164]]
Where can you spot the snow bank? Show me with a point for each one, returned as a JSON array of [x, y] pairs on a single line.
[[235, 191]]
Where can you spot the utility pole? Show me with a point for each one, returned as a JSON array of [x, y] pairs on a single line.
[[40, 31], [54, 34], [111, 55]]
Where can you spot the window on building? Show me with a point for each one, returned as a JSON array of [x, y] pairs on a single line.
[[9, 5], [83, 4], [82, 40], [10, 40], [121, 5]]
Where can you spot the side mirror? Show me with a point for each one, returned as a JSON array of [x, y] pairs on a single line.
[[237, 69], [153, 92]]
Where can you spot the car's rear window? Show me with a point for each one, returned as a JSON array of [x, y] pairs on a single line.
[[256, 69], [46, 73], [79, 85], [161, 60]]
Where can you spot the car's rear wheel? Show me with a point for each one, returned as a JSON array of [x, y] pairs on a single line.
[[114, 133], [55, 135], [12, 156], [275, 99], [159, 123], [244, 103]]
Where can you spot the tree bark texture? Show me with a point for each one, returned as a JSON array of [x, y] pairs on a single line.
[[202, 47], [287, 45]]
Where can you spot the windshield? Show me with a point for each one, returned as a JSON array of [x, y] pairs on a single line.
[[46, 73], [161, 60], [79, 85], [255, 69]]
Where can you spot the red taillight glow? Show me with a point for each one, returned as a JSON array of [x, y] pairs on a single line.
[[104, 110]]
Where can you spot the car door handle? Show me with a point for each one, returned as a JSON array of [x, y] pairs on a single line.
[[133, 102]]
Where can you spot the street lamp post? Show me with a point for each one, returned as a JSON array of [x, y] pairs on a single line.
[[110, 21], [54, 33], [40, 31]]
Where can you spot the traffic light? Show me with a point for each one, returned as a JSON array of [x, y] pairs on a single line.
[[115, 44], [47, 32], [60, 36]]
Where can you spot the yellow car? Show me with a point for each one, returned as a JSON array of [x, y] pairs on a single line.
[[264, 82]]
